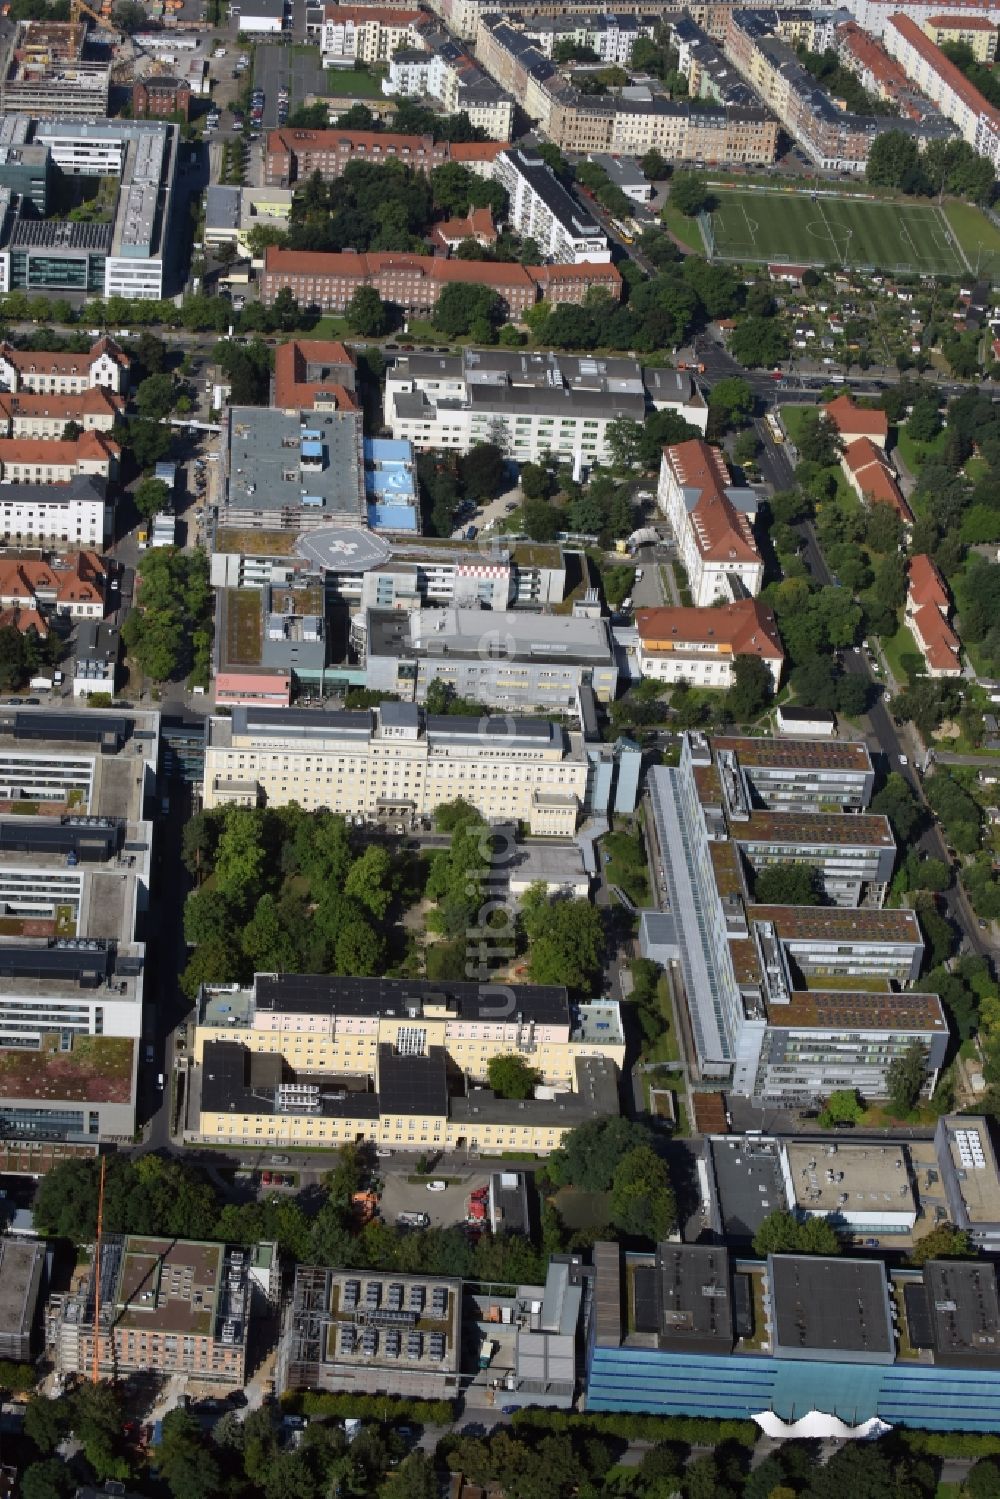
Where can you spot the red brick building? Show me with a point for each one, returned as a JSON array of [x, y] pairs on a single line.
[[293, 155], [414, 282], [158, 98]]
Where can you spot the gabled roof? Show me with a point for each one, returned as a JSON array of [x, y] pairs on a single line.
[[875, 477], [941, 646], [746, 627], [66, 406], [856, 420], [926, 584], [46, 451], [721, 532], [43, 363], [292, 388]]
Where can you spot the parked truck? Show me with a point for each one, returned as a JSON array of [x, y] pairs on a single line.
[[487, 1348], [41, 684]]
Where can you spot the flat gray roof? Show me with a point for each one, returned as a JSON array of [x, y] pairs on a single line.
[[482, 634], [310, 461], [833, 1306]]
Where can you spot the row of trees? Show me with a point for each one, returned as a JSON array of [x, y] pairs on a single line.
[[169, 632], [895, 161]]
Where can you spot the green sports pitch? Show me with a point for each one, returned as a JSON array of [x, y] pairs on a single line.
[[805, 228]]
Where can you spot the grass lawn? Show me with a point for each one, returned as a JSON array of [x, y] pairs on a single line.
[[916, 454], [243, 626], [330, 326], [664, 1048], [976, 469], [978, 237], [791, 419], [805, 228], [351, 83], [682, 228], [905, 661]]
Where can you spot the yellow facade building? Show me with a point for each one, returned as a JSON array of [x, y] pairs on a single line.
[[307, 1059], [396, 761]]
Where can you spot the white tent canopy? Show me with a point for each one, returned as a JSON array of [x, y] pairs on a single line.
[[819, 1424]]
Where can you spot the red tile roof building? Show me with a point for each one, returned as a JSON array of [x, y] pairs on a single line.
[[414, 282], [927, 607], [872, 478], [477, 224], [65, 374], [699, 646], [946, 85], [875, 70], [33, 460], [294, 154], [26, 414], [307, 368], [714, 537], [853, 421], [72, 585]]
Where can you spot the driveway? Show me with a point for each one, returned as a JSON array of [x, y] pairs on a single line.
[[444, 1208]]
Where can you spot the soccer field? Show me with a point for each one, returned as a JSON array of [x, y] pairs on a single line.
[[804, 228]]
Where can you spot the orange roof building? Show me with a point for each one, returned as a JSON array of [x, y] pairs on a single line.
[[872, 478], [33, 460], [853, 421], [699, 646], [32, 414], [477, 225], [49, 374], [308, 369], [927, 608], [713, 532], [944, 84], [72, 585]]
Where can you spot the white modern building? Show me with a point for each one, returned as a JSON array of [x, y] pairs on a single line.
[[711, 519], [74, 514], [533, 403], [541, 209], [350, 34], [42, 373]]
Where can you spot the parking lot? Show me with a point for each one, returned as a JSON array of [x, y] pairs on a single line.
[[443, 1208], [281, 67]]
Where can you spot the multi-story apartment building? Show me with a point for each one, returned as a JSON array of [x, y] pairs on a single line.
[[701, 646], [759, 45], [539, 403], [350, 34], [76, 513], [40, 373], [395, 762], [519, 662], [442, 70], [709, 73], [541, 209], [977, 32], [163, 1306], [22, 1276], [294, 154], [29, 414], [711, 519], [612, 36], [574, 121], [49, 70], [273, 1061], [751, 976], [877, 72], [941, 80], [873, 15]]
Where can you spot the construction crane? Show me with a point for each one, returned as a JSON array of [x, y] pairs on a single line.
[[78, 8], [96, 1370]]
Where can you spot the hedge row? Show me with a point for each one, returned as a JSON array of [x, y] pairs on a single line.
[[386, 1408], [696, 1431]]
